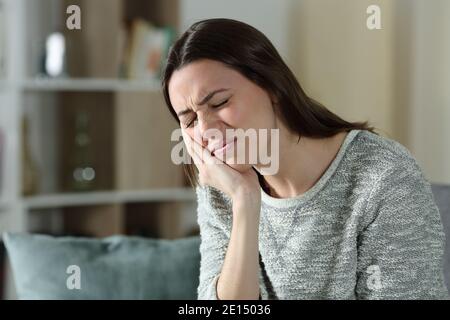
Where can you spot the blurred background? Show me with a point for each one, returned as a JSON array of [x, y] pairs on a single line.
[[85, 135]]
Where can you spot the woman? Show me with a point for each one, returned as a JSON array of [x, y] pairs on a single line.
[[348, 214]]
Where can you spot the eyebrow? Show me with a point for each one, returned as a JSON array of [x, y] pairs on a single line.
[[203, 101]]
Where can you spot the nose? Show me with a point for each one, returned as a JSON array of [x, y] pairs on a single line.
[[204, 124]]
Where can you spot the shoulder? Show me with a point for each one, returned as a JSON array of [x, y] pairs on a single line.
[[390, 178], [373, 157]]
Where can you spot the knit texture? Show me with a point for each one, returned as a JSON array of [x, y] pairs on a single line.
[[368, 229]]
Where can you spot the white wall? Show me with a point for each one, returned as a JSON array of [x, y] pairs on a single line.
[[326, 43], [398, 78], [342, 63], [430, 129], [268, 16]]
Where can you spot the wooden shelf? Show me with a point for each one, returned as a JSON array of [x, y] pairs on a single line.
[[80, 84], [108, 197]]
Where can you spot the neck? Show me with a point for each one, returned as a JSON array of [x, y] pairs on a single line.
[[302, 163]]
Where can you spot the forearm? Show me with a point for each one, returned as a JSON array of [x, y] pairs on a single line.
[[239, 276]]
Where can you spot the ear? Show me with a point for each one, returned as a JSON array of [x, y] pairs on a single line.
[[274, 99], [275, 104]]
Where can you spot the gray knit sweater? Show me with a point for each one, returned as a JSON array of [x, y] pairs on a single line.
[[368, 229]]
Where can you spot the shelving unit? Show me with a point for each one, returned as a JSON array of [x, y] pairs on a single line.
[[26, 94], [88, 85], [44, 102], [108, 197]]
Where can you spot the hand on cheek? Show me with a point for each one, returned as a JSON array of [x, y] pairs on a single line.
[[213, 172]]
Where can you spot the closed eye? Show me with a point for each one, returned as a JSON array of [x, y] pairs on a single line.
[[220, 104], [190, 122]]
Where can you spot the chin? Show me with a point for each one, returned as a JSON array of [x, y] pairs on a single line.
[[241, 167]]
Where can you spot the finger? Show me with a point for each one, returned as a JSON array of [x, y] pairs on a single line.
[[186, 137], [187, 141], [197, 160], [201, 153], [208, 158], [195, 149]]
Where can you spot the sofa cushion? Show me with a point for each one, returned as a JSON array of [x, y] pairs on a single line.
[[441, 195], [117, 267]]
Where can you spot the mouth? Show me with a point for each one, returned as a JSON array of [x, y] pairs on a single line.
[[224, 147]]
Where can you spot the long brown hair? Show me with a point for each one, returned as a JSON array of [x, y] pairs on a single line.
[[248, 51]]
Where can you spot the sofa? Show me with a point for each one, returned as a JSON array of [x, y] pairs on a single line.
[[113, 268], [441, 195], [121, 267]]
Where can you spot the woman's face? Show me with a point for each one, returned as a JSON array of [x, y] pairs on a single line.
[[231, 101]]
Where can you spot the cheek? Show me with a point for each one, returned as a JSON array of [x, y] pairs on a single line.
[[233, 115], [249, 114]]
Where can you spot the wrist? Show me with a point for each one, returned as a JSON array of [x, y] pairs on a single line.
[[244, 194], [247, 206]]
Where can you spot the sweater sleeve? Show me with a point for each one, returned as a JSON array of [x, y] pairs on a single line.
[[214, 217], [400, 252]]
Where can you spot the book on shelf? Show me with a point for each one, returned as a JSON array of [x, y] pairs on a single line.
[[118, 45], [145, 50]]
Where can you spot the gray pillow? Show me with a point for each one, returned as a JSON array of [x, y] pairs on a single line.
[[117, 267], [441, 195]]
